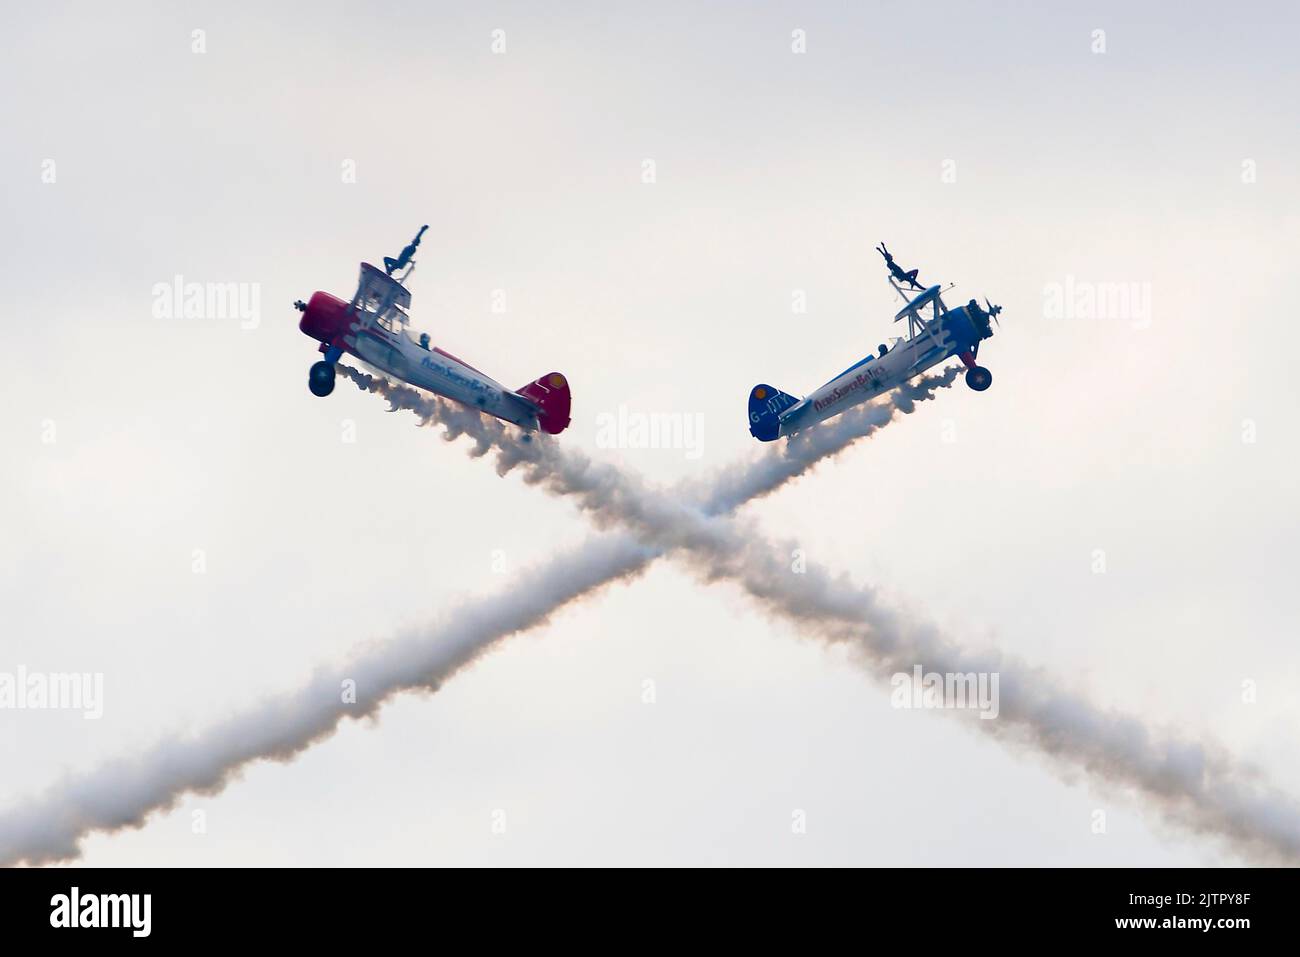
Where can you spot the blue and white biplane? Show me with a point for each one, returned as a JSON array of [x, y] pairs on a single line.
[[935, 333]]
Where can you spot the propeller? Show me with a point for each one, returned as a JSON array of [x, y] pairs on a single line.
[[993, 312]]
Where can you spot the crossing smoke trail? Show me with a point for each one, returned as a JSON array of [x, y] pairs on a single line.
[[1190, 784], [122, 794], [1193, 785]]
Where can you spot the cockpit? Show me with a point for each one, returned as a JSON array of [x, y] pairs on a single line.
[[383, 298]]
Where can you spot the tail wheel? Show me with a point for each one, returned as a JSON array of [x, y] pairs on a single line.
[[321, 379], [979, 378]]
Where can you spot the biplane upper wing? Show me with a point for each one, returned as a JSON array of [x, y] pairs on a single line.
[[920, 302]]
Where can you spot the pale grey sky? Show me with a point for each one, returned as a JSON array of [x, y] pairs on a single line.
[[986, 143]]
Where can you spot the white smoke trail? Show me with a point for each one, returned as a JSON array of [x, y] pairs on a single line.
[[544, 461], [1190, 784], [122, 794]]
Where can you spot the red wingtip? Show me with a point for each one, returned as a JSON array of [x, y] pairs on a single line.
[[551, 395]]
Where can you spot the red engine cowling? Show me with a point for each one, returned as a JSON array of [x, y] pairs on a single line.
[[325, 318], [551, 394]]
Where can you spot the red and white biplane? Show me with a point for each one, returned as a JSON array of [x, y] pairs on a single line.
[[375, 328]]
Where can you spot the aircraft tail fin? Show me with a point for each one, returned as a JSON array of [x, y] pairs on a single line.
[[765, 407], [551, 395]]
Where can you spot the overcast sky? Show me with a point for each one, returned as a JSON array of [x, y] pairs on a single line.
[[1009, 148]]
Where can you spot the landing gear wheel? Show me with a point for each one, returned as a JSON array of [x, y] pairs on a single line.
[[979, 378], [321, 379]]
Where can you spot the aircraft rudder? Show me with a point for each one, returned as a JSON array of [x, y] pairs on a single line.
[[550, 393], [766, 403]]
